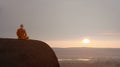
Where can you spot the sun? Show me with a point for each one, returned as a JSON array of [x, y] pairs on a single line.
[[85, 41]]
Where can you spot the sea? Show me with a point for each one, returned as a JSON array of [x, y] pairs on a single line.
[[88, 57]]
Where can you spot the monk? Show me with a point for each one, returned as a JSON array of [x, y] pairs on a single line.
[[21, 33]]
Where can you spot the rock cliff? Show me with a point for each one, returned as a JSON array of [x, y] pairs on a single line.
[[26, 53]]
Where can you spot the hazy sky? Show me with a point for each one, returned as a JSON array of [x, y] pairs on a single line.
[[63, 23]]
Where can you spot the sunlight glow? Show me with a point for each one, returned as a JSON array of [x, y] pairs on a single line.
[[85, 41]]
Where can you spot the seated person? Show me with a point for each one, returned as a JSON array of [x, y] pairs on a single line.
[[21, 33]]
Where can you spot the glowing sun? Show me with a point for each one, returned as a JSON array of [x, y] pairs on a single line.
[[85, 41]]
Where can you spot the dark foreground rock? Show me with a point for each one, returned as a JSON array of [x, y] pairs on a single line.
[[26, 53]]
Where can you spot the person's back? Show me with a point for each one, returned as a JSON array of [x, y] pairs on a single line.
[[21, 33]]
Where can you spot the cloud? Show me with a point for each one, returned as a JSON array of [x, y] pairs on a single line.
[[111, 33]]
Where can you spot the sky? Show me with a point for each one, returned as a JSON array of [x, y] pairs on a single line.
[[63, 23]]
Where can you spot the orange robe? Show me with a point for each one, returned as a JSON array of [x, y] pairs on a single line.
[[21, 33]]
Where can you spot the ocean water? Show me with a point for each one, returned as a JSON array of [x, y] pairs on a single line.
[[80, 59], [91, 62], [88, 57]]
